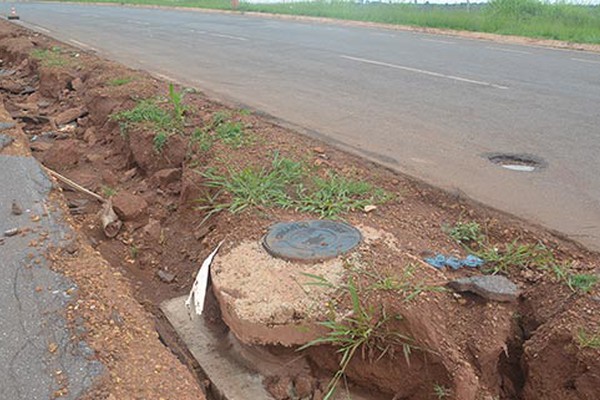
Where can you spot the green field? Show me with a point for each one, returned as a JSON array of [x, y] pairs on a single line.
[[531, 18]]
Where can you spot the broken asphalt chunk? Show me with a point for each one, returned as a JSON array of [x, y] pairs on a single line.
[[490, 287]]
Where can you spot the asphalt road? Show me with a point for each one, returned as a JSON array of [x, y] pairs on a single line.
[[426, 105], [38, 354]]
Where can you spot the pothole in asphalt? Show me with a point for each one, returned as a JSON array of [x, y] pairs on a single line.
[[517, 162]]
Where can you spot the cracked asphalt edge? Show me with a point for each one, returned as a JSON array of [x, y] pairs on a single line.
[[69, 325]]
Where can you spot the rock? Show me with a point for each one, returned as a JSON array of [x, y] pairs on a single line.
[[71, 247], [110, 178], [116, 317], [11, 86], [16, 209], [304, 385], [491, 287], [27, 90], [280, 387], [76, 84], [369, 208], [5, 141], [165, 276], [43, 104], [53, 81], [83, 121], [90, 136], [61, 155], [11, 232], [7, 125], [152, 230], [166, 176], [129, 207], [70, 115], [40, 146], [129, 174]]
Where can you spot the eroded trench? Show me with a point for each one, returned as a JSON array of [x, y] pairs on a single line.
[[261, 309]]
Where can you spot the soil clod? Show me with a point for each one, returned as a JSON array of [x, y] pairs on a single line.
[[129, 207]]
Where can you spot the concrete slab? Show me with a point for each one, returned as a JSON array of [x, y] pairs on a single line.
[[231, 379], [229, 365]]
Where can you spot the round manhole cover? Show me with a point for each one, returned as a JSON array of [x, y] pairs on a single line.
[[517, 162], [310, 240]]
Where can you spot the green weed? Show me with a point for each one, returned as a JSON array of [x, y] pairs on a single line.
[[119, 81], [583, 283], [160, 140], [334, 195], [134, 252], [511, 255], [256, 187], [402, 284], [220, 117], [466, 233], [145, 111], [50, 58], [283, 185], [587, 340], [232, 134], [441, 392], [178, 109], [148, 111], [203, 139], [108, 191], [364, 331]]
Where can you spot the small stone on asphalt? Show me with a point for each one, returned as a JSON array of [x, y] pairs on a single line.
[[491, 287], [11, 232], [16, 208]]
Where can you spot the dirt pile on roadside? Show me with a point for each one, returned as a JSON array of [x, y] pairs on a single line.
[[102, 125]]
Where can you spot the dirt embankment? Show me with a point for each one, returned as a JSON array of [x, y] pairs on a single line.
[[460, 346]]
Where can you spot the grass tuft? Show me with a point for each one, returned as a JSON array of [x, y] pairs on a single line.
[[164, 122], [465, 233], [441, 392], [336, 194], [108, 191], [365, 331], [50, 58], [119, 81], [283, 185], [256, 187], [514, 255], [587, 340]]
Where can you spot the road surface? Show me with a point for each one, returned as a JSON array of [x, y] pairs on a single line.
[[426, 105]]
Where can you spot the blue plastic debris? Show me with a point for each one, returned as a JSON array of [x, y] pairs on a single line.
[[440, 261]]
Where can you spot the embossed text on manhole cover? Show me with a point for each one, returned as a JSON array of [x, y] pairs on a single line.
[[310, 240]]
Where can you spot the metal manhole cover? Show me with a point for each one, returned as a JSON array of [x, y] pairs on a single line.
[[517, 162], [310, 240]]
